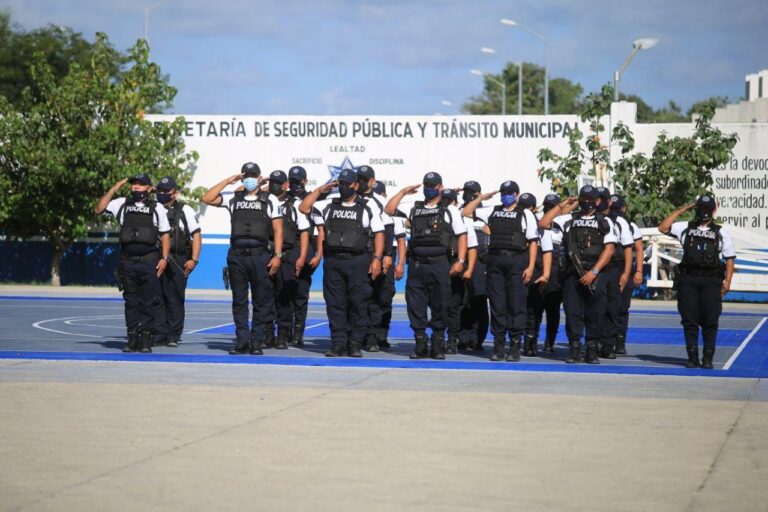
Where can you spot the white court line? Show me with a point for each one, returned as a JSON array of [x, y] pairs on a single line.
[[39, 325], [316, 325], [231, 323], [743, 345]]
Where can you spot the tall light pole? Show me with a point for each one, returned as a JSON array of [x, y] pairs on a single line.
[[497, 82], [513, 23], [639, 44], [147, 10], [491, 51]]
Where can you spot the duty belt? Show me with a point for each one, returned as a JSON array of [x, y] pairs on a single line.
[[249, 251], [342, 255], [151, 257], [506, 252], [429, 259]]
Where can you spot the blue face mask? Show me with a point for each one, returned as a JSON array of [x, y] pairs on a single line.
[[431, 193], [164, 198], [346, 190], [251, 184], [508, 199]]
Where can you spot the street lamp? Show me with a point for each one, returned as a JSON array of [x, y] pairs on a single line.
[[147, 10], [513, 23], [491, 51], [639, 44], [497, 82]]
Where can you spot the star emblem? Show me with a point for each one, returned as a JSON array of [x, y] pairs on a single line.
[[336, 170]]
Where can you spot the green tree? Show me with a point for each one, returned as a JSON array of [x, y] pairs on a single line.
[[67, 141], [563, 94]]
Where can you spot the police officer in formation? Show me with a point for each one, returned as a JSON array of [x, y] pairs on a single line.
[[186, 241], [296, 229], [589, 243], [351, 264], [256, 219], [474, 315], [553, 292], [541, 277], [427, 287], [703, 279], [144, 250]]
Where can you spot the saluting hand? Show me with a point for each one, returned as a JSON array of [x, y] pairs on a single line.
[[324, 189], [410, 189], [161, 266], [121, 183], [235, 178], [488, 195]]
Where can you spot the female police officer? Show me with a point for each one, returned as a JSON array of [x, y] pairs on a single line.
[[703, 280]]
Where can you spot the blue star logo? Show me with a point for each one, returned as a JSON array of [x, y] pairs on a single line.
[[335, 171]]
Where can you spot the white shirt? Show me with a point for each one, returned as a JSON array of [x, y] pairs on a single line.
[[160, 220], [302, 221], [191, 217], [545, 240], [623, 232], [370, 219], [471, 235], [609, 238], [376, 203], [727, 249], [399, 225], [274, 211], [531, 226]]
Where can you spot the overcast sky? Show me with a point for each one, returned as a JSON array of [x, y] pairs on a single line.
[[405, 57]]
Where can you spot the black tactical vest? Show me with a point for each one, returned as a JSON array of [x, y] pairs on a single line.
[[431, 233], [507, 229], [701, 251], [250, 219], [584, 238], [138, 232], [290, 224], [344, 231], [618, 254], [181, 242]]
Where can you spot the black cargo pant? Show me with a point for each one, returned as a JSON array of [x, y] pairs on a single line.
[[303, 285], [428, 288], [169, 322], [506, 292], [286, 290], [474, 313], [584, 310], [248, 271], [611, 326], [700, 305], [457, 298], [553, 297], [347, 291], [386, 298], [141, 289]]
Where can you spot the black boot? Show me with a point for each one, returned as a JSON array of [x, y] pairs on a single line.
[[145, 341], [621, 344], [354, 349], [269, 335], [530, 345], [255, 348], [477, 346], [420, 350], [706, 359], [281, 342], [337, 350], [462, 344], [437, 350], [240, 348], [693, 356], [298, 334], [453, 345], [607, 351], [381, 338], [498, 348], [133, 341], [574, 351], [371, 344], [548, 346], [592, 352], [514, 348]]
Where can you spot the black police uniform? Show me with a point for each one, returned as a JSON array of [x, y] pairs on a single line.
[[553, 293], [458, 287], [535, 297], [347, 285], [386, 295], [475, 319], [617, 202], [169, 323], [247, 261]]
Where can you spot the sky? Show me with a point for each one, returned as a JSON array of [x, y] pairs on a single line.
[[400, 57]]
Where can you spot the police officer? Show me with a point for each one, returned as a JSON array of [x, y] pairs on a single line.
[[256, 217], [617, 274], [512, 253], [349, 269], [427, 287], [297, 181], [144, 250], [474, 314], [589, 243], [295, 247], [186, 241], [540, 280], [553, 293], [619, 209], [703, 279], [396, 270]]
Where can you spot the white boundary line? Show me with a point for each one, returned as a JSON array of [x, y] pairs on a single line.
[[316, 325], [38, 325], [211, 327], [743, 345]]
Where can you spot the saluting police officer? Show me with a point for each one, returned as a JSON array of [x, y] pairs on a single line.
[[349, 269], [589, 242], [297, 181], [512, 252], [144, 249], [540, 280], [619, 209], [702, 279], [256, 217], [186, 241], [427, 287], [553, 293], [616, 274], [295, 246], [474, 313]]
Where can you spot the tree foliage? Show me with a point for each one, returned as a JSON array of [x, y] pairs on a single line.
[[69, 139]]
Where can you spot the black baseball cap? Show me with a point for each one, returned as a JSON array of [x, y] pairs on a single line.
[[250, 168], [432, 179], [527, 200], [449, 194], [297, 173], [588, 191], [617, 202], [380, 188], [278, 177], [509, 187], [347, 176], [472, 186], [551, 200], [365, 172], [142, 178], [706, 203], [167, 183], [603, 193]]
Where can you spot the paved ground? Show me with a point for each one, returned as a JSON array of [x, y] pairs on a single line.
[[158, 434]]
